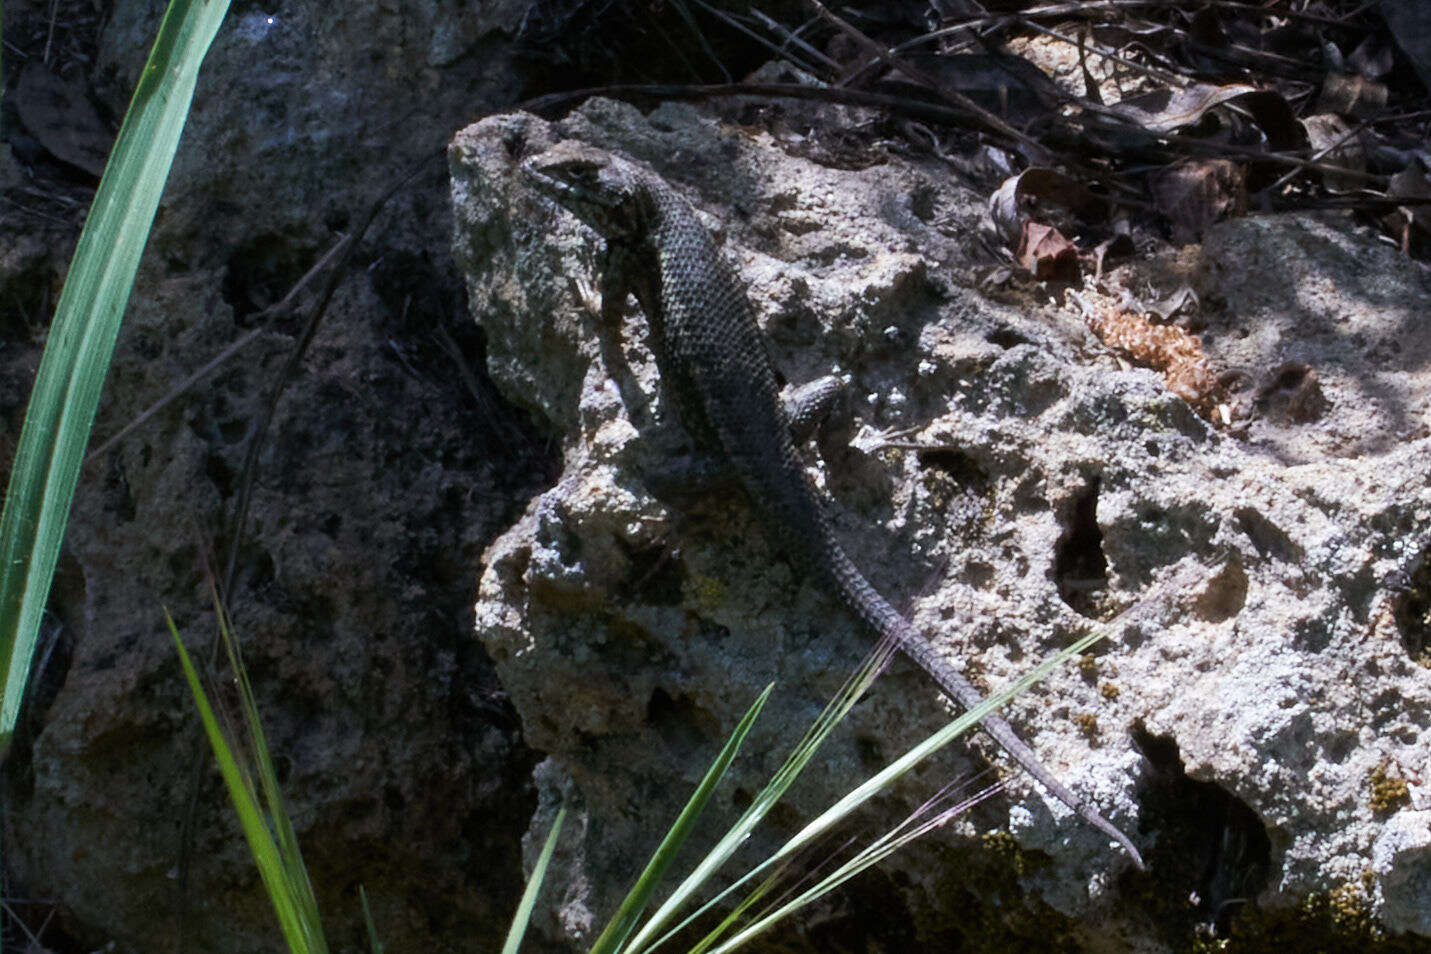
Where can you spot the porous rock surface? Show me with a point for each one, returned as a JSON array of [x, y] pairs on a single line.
[[1263, 736]]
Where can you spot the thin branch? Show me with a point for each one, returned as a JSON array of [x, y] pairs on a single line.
[[1056, 10], [920, 109], [218, 361], [779, 51], [1161, 75], [1036, 150], [849, 97], [290, 369], [1290, 173], [794, 38], [701, 40]]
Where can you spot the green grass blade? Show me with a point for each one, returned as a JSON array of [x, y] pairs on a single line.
[[842, 808], [261, 842], [868, 857], [297, 887], [523, 917], [81, 338], [727, 923], [850, 693], [621, 925], [376, 946]]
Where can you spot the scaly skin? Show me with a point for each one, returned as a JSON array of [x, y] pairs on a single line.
[[714, 364]]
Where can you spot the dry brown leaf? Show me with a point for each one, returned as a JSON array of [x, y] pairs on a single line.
[[1008, 204], [1169, 109], [1120, 245], [1410, 183], [1351, 95], [59, 115], [1183, 300], [1046, 253], [1328, 131]]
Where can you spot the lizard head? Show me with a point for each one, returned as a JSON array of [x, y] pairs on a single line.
[[601, 189]]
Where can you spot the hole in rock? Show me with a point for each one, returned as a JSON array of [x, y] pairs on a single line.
[[654, 576], [1212, 855], [1225, 595], [686, 730], [957, 485], [1080, 569], [262, 271], [1293, 395], [922, 203], [1412, 611], [1006, 338]]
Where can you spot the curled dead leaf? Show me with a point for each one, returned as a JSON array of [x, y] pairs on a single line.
[[1008, 206], [1351, 95], [60, 116], [1333, 140], [1411, 182], [1046, 253], [1164, 110]]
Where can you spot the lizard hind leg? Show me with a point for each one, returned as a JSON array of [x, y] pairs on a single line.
[[818, 408]]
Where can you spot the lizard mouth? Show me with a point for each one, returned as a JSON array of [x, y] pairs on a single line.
[[558, 182]]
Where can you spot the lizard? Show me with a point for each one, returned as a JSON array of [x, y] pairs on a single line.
[[715, 367]]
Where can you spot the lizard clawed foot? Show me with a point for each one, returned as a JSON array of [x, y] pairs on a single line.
[[588, 294], [817, 407]]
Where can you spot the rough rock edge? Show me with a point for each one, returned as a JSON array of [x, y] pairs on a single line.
[[1279, 659]]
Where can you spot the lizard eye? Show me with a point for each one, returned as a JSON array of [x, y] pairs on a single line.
[[585, 174]]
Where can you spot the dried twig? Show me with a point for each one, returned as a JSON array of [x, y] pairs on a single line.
[[290, 369], [781, 50], [1164, 76], [1036, 151], [958, 24], [271, 312], [794, 38], [919, 109], [701, 40], [1308, 163], [848, 97]]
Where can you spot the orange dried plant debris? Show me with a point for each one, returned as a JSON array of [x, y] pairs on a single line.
[[1174, 353]]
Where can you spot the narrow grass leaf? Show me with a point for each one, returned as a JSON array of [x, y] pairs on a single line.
[[837, 708], [81, 338], [868, 857], [621, 925], [523, 916], [244, 797], [842, 808], [769, 796], [374, 945], [296, 885]]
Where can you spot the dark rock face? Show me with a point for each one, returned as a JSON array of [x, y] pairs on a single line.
[[390, 464]]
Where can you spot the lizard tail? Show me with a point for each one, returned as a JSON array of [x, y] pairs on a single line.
[[864, 600]]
